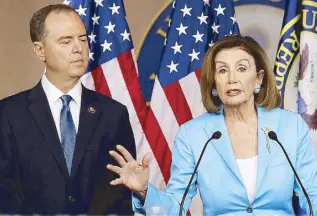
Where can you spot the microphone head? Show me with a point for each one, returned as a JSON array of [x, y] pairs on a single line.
[[272, 135], [216, 135]]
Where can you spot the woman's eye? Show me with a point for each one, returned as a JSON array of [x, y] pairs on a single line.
[[222, 71], [242, 69]]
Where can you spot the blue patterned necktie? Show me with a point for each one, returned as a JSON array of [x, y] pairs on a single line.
[[68, 132]]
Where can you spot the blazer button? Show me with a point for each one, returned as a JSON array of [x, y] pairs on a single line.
[[249, 210], [71, 199]]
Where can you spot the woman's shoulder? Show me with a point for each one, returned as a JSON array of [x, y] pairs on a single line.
[[199, 121], [284, 117], [283, 113], [275, 114]]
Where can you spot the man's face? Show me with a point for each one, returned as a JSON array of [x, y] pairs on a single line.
[[66, 51]]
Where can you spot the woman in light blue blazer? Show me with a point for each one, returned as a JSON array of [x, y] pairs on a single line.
[[243, 172]]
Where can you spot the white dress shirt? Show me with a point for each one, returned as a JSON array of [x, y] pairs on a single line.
[[248, 169], [53, 95]]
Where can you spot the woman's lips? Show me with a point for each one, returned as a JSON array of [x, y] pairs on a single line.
[[233, 92]]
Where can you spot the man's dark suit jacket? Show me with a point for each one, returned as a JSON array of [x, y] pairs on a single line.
[[33, 173]]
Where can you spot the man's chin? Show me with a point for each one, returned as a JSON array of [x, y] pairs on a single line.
[[76, 74]]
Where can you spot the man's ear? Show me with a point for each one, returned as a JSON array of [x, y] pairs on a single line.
[[38, 48]]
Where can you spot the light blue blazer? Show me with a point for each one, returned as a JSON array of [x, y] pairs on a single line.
[[218, 178]]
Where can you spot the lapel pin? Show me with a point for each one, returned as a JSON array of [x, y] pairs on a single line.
[[266, 132], [91, 109]]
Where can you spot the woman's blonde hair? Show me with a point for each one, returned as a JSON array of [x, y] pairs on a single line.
[[268, 97]]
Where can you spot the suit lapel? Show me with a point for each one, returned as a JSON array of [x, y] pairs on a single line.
[[266, 121], [89, 117], [42, 116], [223, 145]]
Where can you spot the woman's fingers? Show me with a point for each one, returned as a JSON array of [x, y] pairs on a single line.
[[146, 160], [116, 181], [115, 169], [118, 158], [125, 153]]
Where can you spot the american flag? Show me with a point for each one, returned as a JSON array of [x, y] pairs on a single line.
[[112, 67], [194, 26]]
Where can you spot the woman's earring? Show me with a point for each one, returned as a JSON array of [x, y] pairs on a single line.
[[214, 92], [257, 89]]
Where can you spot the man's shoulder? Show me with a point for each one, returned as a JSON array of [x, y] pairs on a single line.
[[104, 100], [14, 101]]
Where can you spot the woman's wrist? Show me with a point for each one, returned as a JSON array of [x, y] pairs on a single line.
[[142, 194]]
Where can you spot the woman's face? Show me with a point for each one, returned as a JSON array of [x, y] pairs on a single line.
[[236, 76]]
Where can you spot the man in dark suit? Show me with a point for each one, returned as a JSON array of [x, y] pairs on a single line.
[[55, 138]]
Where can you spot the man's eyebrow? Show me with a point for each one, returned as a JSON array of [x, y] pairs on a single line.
[[65, 37]]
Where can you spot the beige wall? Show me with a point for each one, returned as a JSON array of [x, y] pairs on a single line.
[[20, 69]]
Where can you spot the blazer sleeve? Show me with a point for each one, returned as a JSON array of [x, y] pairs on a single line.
[[183, 165], [10, 198], [120, 202], [306, 166]]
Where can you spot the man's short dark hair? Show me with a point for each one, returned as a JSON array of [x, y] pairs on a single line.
[[37, 22]]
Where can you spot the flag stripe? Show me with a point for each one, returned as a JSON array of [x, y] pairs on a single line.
[[158, 144], [198, 74], [178, 103], [88, 81], [130, 76], [164, 114], [131, 79], [119, 92], [191, 90], [116, 84], [100, 81]]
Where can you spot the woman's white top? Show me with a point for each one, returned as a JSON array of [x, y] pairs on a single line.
[[248, 169]]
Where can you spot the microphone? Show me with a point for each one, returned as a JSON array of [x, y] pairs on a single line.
[[215, 135], [273, 136]]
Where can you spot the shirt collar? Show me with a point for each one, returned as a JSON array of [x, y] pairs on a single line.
[[53, 94], [76, 92]]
